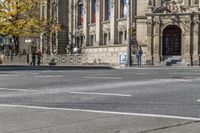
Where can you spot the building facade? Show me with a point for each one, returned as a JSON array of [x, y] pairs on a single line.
[[55, 11], [101, 30], [172, 29]]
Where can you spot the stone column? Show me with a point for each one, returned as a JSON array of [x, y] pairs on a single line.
[[98, 23], [70, 22], [156, 41], [196, 41], [149, 58], [187, 41], [50, 34], [85, 22], [113, 22]]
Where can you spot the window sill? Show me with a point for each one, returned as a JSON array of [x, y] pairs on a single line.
[[122, 19], [92, 24], [105, 22], [79, 26]]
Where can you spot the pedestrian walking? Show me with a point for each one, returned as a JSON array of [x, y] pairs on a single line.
[[39, 56], [11, 56], [139, 56], [33, 58]]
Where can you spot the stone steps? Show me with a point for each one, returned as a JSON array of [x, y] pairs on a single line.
[[172, 60]]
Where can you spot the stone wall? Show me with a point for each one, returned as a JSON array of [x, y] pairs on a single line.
[[75, 59], [107, 55]]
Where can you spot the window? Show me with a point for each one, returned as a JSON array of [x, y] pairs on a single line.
[[107, 10], [92, 40], [120, 37], [158, 2], [54, 38], [43, 12], [80, 14], [123, 8], [79, 41], [105, 39], [93, 11], [81, 44], [190, 2], [193, 2], [125, 35]]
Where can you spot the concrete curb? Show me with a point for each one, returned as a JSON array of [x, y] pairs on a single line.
[[27, 67]]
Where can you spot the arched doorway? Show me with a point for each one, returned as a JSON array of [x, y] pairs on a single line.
[[172, 40]]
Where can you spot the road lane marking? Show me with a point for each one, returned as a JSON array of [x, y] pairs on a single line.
[[103, 112], [48, 76], [99, 74], [9, 75], [103, 94], [102, 77], [13, 89], [198, 100]]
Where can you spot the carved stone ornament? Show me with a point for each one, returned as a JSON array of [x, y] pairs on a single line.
[[174, 6], [79, 32], [149, 20], [92, 30], [112, 3], [122, 25], [156, 20], [187, 20], [174, 19], [196, 20], [106, 27]]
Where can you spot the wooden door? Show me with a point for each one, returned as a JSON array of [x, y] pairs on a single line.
[[172, 40]]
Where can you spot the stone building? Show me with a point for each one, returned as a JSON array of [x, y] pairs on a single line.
[[172, 30], [57, 12], [101, 30]]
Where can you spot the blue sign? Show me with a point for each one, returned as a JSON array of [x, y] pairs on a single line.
[[122, 58]]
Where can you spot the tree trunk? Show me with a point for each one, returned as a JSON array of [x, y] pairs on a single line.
[[16, 44]]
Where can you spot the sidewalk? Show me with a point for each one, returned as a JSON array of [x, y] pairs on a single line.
[[10, 67], [24, 119]]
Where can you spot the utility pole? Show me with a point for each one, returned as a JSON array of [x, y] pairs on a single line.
[[129, 60]]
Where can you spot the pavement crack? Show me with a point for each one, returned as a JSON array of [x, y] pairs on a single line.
[[167, 127]]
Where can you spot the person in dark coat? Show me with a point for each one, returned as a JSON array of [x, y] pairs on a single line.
[[33, 58], [39, 56], [139, 56]]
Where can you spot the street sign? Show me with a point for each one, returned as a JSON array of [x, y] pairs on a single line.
[[122, 58]]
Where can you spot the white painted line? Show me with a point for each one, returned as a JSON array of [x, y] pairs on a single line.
[[103, 94], [103, 77], [7, 75], [104, 112], [198, 100], [14, 89], [48, 76], [99, 74]]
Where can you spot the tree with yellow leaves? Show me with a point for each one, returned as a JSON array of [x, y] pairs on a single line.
[[22, 18]]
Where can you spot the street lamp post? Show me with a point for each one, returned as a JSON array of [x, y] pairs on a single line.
[[129, 60], [28, 41]]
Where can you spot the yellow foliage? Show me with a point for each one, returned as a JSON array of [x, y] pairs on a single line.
[[22, 18]]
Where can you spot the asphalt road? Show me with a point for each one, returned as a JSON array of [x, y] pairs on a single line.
[[160, 92]]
